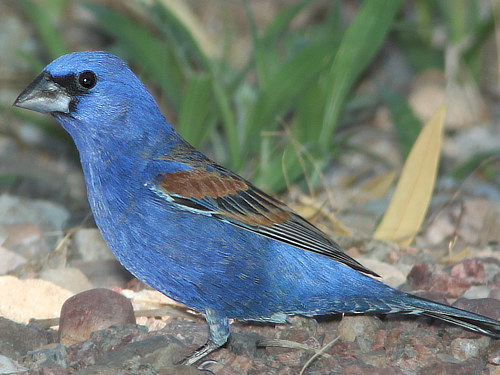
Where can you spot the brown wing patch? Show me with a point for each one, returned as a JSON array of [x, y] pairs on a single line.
[[265, 214], [199, 184]]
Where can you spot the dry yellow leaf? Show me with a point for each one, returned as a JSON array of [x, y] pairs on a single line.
[[379, 185], [408, 206]]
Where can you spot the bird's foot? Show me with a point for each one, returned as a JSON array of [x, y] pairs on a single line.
[[199, 353]]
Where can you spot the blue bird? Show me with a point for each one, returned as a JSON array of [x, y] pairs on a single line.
[[194, 230]]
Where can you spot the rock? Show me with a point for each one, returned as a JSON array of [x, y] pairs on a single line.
[[69, 278], [149, 299], [17, 339], [475, 292], [463, 102], [145, 356], [22, 300], [25, 239], [88, 353], [494, 355], [489, 232], [484, 306], [471, 270], [104, 273], [158, 351], [10, 260], [88, 245], [353, 326], [376, 359], [392, 276], [53, 370], [461, 368], [51, 217], [52, 355], [244, 343], [463, 349], [423, 277], [9, 366], [357, 369], [91, 311]]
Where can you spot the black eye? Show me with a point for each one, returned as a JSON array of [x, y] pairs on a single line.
[[87, 79]]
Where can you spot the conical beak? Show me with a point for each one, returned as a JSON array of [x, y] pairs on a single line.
[[44, 95]]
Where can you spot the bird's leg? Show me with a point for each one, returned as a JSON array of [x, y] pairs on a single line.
[[219, 333]]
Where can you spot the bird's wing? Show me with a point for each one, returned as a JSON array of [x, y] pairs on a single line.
[[212, 190]]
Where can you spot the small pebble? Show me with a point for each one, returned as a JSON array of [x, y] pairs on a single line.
[[463, 349], [353, 326], [494, 357], [54, 354], [477, 292], [90, 311]]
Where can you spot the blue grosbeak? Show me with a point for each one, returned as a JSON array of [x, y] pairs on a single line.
[[194, 230]]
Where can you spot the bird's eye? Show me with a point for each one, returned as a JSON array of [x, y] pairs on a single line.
[[87, 79]]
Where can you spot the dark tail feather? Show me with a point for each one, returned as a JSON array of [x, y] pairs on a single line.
[[480, 324], [474, 322]]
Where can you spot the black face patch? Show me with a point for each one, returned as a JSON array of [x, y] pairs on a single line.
[[70, 83], [73, 87]]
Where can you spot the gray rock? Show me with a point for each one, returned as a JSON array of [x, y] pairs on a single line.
[[69, 278], [18, 339], [9, 366], [463, 349], [104, 273], [25, 239], [146, 351], [54, 354], [10, 260], [51, 217], [88, 245], [477, 291]]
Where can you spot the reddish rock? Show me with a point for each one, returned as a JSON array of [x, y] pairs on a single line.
[[420, 276], [485, 306], [471, 270], [91, 311]]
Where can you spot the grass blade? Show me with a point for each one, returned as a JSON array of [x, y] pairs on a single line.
[[404, 120], [360, 43]]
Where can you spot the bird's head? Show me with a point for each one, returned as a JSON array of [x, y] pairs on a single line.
[[92, 92]]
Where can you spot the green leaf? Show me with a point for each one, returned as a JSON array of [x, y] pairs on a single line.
[[475, 162], [136, 44], [404, 120], [186, 36], [196, 116], [286, 86], [43, 20], [266, 57], [358, 46]]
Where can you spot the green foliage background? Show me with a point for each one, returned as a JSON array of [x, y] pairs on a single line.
[[280, 125]]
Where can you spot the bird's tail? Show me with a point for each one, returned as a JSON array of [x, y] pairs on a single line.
[[471, 321]]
